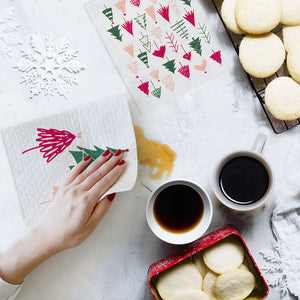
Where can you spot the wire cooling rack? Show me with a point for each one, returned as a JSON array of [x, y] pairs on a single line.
[[257, 84]]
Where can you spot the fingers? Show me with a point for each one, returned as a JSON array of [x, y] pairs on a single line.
[[99, 212], [103, 185], [77, 170], [93, 167], [101, 171]]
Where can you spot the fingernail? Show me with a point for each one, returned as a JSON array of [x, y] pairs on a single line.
[[87, 158], [111, 197], [107, 152], [118, 152], [121, 163]]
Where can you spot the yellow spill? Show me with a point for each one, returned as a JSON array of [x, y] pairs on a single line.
[[157, 156]]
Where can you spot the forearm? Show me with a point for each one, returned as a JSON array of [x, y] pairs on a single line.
[[20, 259]]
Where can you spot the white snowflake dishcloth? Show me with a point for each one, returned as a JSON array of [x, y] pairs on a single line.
[[10, 36], [283, 265], [49, 66]]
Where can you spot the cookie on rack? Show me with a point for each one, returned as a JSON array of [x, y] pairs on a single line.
[[182, 276], [258, 16], [261, 55], [282, 98], [290, 12], [234, 285], [228, 15], [291, 35], [293, 61]]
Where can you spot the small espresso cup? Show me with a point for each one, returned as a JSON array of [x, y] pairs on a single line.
[[243, 180], [179, 211]]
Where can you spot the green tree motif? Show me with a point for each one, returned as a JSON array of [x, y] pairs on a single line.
[[187, 2], [205, 34], [170, 65], [108, 13], [196, 45], [156, 91], [94, 154], [116, 32], [143, 56], [145, 42], [141, 20], [180, 28]]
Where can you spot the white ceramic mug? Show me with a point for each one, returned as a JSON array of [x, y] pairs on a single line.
[[188, 236], [254, 153]]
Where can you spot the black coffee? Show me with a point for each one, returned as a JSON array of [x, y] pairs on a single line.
[[178, 208], [244, 180]]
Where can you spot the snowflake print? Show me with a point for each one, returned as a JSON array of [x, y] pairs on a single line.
[[9, 35], [274, 267], [49, 66]]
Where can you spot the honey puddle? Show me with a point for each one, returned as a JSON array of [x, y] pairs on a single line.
[[157, 156]]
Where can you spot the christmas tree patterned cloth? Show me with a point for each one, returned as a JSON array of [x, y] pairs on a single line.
[[42, 152], [162, 48]]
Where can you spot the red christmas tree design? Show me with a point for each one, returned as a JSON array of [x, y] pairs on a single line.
[[128, 26], [52, 142], [144, 87], [160, 52], [164, 12], [172, 42], [216, 56], [185, 71], [187, 55], [190, 17], [135, 2]]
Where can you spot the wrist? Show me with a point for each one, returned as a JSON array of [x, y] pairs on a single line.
[[47, 244], [20, 259]]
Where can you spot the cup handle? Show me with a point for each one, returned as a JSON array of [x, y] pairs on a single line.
[[259, 143]]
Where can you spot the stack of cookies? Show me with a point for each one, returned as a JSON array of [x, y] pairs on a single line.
[[219, 272], [262, 52]]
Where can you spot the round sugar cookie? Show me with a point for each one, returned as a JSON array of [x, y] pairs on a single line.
[[208, 284], [223, 256], [190, 295], [261, 55], [228, 15], [293, 62], [291, 35], [182, 276], [198, 261], [290, 12], [282, 98], [234, 285], [258, 16]]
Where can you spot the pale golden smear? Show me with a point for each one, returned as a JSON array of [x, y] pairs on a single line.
[[157, 156]]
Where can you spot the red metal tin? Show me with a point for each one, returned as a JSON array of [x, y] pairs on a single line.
[[197, 246]]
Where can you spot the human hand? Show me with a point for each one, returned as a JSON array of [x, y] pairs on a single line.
[[75, 210], [74, 214]]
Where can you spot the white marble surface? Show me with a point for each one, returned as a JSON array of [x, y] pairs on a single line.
[[218, 117]]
